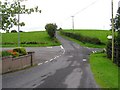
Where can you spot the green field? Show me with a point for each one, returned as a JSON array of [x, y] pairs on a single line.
[[100, 34], [11, 39], [104, 71]]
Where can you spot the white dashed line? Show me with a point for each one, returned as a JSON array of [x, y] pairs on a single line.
[[40, 64], [49, 47], [61, 46], [54, 57], [57, 56], [84, 60], [70, 56], [46, 61], [51, 60]]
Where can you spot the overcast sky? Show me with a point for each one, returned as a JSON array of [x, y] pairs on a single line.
[[88, 14]]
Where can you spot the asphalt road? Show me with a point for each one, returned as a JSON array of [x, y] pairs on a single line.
[[68, 69]]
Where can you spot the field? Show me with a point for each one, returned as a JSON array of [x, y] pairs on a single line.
[[104, 71], [100, 34], [28, 39]]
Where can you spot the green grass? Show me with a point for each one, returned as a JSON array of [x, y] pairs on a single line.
[[100, 34], [104, 71], [83, 44], [38, 36]]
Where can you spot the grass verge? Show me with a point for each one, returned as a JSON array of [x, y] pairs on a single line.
[[105, 72]]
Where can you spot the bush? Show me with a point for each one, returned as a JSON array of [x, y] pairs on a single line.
[[20, 50], [51, 29], [6, 53], [83, 39], [13, 31], [14, 53], [109, 49]]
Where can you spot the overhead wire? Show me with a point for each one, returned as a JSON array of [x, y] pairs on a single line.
[[81, 10]]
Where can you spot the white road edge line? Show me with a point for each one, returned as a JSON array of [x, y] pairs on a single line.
[[46, 61], [61, 47], [54, 57], [84, 60], [49, 47], [40, 64], [51, 60]]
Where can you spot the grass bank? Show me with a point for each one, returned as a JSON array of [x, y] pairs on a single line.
[[104, 71], [28, 39], [100, 34]]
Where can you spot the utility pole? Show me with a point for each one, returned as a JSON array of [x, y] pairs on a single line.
[[18, 24], [72, 22], [112, 32]]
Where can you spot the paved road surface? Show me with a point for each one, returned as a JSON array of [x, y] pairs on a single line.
[[42, 54], [70, 69]]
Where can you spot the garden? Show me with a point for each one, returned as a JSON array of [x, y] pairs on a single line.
[[16, 59]]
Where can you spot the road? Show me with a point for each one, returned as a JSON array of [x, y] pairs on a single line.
[[70, 69]]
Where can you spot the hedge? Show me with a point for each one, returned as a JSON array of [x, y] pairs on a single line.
[[83, 39]]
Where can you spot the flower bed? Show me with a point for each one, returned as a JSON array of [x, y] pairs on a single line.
[[12, 62]]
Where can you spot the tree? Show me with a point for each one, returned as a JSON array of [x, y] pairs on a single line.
[[117, 41], [51, 29], [8, 12], [117, 25], [13, 31]]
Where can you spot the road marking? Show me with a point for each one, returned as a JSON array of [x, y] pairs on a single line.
[[61, 47], [84, 60], [70, 56], [54, 57], [51, 60], [46, 61], [40, 64], [57, 56], [49, 47]]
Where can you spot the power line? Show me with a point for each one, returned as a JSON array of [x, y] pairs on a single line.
[[83, 9]]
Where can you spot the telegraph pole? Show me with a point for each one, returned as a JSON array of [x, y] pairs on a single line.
[[112, 32], [72, 22], [18, 24]]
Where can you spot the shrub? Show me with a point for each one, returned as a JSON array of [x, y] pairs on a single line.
[[13, 31], [83, 39], [20, 50], [20, 31], [109, 49], [6, 53], [51, 29], [14, 53]]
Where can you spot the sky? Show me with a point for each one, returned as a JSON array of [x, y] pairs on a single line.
[[88, 14]]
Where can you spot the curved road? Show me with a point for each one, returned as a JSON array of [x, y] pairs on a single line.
[[71, 69]]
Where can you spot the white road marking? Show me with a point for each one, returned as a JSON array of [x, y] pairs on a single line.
[[40, 64], [49, 47], [54, 57], [46, 61], [84, 60], [61, 46], [57, 56], [70, 56], [51, 60]]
